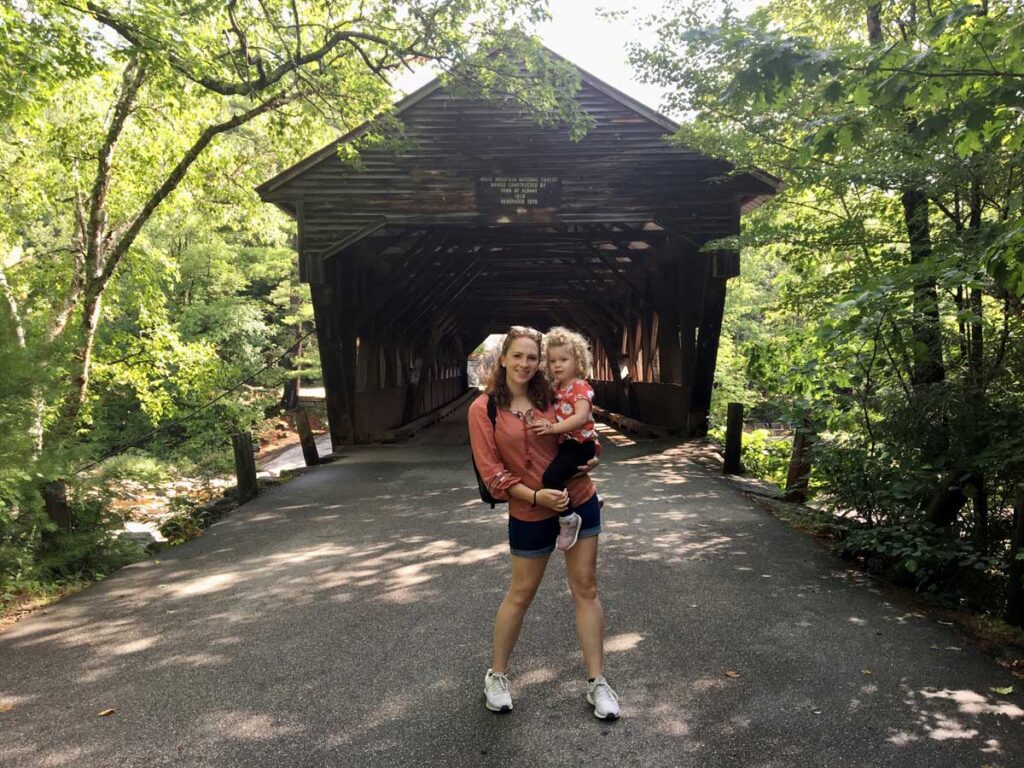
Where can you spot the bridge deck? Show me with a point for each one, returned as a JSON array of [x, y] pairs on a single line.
[[344, 620]]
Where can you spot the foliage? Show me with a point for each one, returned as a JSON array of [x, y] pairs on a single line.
[[142, 281], [766, 456], [881, 300], [187, 521], [34, 553], [763, 454], [919, 555], [134, 465]]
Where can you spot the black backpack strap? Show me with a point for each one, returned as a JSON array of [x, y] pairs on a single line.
[[492, 414]]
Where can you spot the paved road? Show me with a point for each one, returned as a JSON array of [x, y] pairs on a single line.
[[344, 620]]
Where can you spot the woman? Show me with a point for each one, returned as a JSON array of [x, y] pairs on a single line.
[[511, 459]]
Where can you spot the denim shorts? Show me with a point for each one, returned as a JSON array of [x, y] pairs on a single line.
[[537, 538]]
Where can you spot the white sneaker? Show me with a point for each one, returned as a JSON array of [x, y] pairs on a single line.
[[603, 699], [497, 692], [568, 531]]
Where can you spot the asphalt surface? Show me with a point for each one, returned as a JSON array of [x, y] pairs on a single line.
[[344, 619]]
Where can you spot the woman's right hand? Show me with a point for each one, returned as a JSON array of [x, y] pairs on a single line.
[[552, 499]]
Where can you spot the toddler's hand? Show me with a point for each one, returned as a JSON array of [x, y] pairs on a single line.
[[581, 471], [541, 426]]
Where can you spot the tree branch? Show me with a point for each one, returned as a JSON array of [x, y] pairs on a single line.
[[131, 81], [265, 79], [178, 173]]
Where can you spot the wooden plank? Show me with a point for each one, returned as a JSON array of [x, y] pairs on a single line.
[[408, 430], [630, 424], [347, 341]]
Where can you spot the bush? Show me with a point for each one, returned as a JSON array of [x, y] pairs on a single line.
[[933, 561], [188, 521], [36, 556], [92, 548], [763, 455], [135, 464], [766, 456]]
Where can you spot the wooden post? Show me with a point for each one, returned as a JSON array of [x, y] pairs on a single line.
[[55, 495], [324, 308], [708, 333], [245, 467], [799, 465], [734, 440], [1015, 583], [309, 451]]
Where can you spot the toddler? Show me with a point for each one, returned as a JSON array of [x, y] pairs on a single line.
[[568, 361]]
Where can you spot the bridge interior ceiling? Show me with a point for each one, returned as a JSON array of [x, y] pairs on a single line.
[[477, 280]]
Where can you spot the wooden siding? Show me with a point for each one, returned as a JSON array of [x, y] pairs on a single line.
[[622, 170]]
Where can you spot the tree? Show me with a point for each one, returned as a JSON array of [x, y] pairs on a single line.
[[898, 132], [174, 79]]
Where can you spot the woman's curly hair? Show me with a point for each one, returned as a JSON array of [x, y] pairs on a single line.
[[577, 344], [538, 389]]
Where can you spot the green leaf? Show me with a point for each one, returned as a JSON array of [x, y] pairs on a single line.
[[861, 96]]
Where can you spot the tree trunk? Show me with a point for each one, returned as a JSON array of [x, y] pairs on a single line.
[[290, 391], [946, 504], [976, 381], [926, 329], [979, 497], [75, 399], [874, 23], [245, 467], [800, 465], [38, 405]]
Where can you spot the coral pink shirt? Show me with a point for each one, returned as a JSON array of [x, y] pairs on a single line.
[[512, 453]]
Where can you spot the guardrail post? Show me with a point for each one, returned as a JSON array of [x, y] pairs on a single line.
[[734, 440], [245, 467], [306, 439]]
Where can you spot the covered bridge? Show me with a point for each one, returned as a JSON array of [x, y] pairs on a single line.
[[483, 219]]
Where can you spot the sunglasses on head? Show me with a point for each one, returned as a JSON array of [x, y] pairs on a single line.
[[521, 330]]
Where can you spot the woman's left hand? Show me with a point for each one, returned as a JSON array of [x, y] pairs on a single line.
[[587, 467]]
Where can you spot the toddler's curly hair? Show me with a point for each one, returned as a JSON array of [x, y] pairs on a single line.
[[577, 344]]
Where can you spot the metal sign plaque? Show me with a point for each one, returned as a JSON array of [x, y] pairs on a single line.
[[513, 193]]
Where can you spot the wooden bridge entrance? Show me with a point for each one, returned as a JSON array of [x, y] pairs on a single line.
[[483, 219]]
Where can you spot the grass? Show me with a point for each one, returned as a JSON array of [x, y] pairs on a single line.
[[22, 601]]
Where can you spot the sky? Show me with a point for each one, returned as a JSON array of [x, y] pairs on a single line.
[[580, 34]]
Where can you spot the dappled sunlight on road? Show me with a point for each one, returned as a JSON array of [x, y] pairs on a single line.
[[205, 585], [610, 435], [622, 642], [248, 726], [973, 703], [354, 617]]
